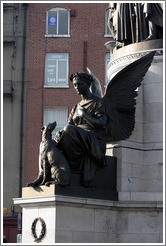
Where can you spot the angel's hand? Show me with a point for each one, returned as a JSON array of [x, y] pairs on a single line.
[[81, 112], [91, 119], [58, 136]]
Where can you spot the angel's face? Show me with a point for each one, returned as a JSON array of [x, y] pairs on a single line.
[[80, 86]]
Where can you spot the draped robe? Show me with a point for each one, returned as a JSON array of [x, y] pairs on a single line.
[[84, 144]]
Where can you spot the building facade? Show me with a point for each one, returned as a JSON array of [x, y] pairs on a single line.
[[42, 45], [14, 58]]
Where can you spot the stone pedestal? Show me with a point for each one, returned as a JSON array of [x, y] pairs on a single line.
[[67, 219], [140, 158]]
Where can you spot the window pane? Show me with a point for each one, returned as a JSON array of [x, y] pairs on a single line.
[[58, 114], [48, 116], [8, 51], [52, 22], [108, 32], [58, 56], [63, 22], [56, 69], [107, 60], [62, 71], [50, 77]]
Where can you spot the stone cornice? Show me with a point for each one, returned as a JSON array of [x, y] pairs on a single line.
[[134, 56], [87, 202]]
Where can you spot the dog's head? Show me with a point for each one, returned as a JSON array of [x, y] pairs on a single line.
[[49, 127]]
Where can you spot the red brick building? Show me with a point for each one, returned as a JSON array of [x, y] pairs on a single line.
[[63, 38]]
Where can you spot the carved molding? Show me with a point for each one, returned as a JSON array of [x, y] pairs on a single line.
[[119, 63], [134, 56]]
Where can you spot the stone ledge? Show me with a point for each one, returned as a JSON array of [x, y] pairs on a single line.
[[135, 145], [85, 202]]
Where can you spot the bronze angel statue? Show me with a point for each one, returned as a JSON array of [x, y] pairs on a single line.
[[99, 118]]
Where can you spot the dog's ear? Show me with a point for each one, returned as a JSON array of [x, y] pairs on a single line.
[[42, 128], [52, 126]]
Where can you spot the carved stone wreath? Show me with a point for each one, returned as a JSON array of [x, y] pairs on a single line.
[[43, 230]]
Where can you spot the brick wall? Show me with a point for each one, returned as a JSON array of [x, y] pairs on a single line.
[[88, 25]]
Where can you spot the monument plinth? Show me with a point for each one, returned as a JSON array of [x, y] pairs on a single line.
[[66, 219]]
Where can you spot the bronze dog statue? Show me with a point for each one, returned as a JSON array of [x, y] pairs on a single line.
[[53, 166]]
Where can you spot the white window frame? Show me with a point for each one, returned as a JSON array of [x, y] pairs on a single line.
[[56, 84], [58, 35], [58, 127], [106, 24], [107, 61]]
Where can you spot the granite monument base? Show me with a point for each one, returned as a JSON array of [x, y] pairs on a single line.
[[51, 219]]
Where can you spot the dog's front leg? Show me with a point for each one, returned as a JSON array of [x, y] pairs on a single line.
[[37, 181], [46, 172]]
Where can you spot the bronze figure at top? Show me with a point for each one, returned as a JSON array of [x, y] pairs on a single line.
[[135, 22], [94, 121]]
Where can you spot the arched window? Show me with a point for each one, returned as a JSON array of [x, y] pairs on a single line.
[[58, 22]]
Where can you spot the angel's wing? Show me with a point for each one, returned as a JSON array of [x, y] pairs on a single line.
[[120, 98], [95, 86]]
